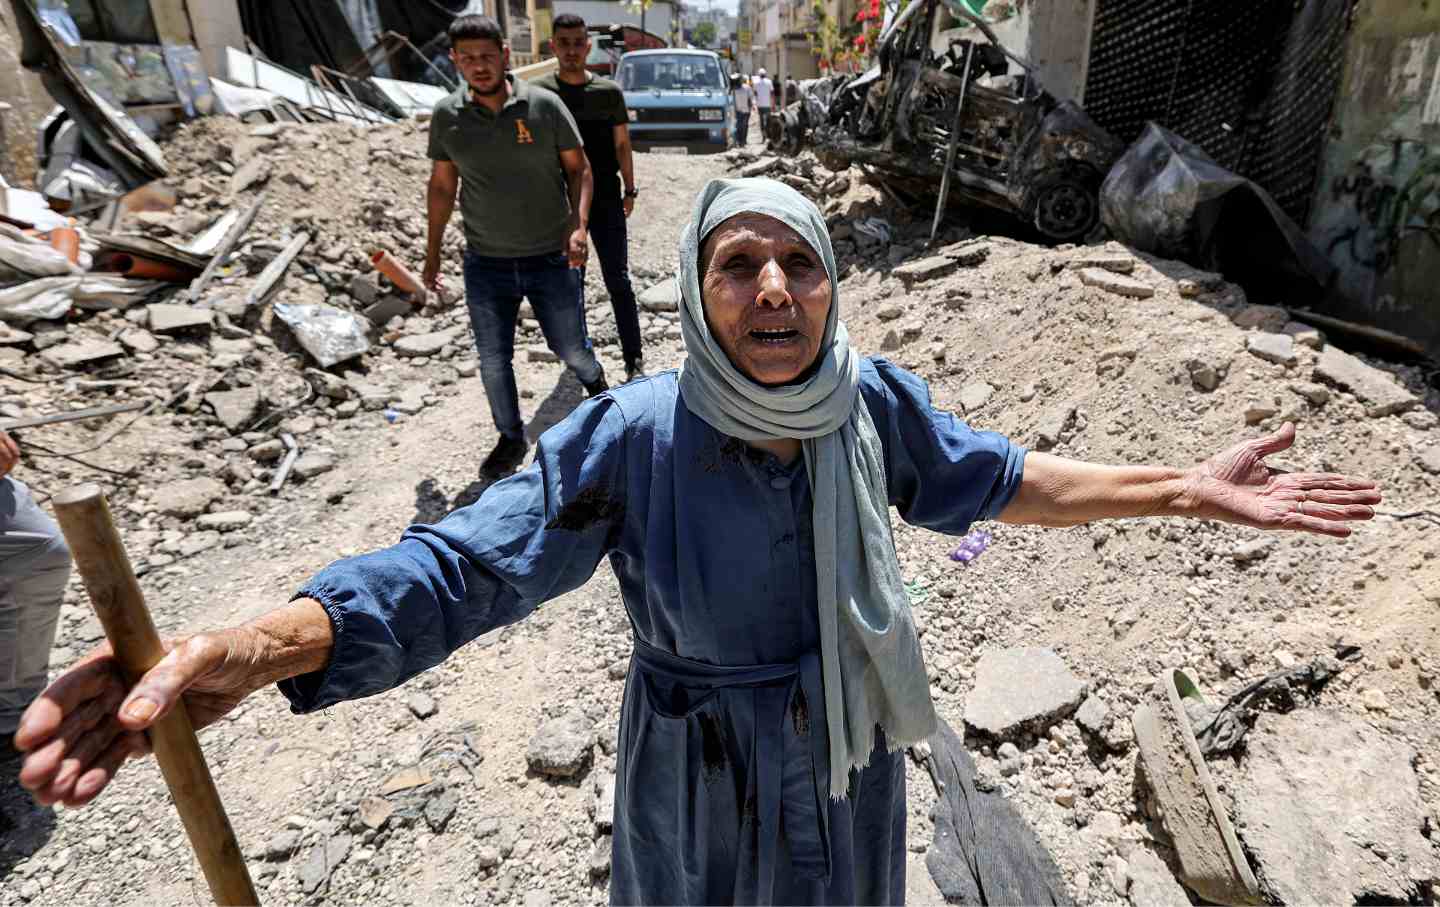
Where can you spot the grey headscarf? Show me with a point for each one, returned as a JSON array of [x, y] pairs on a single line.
[[869, 652]]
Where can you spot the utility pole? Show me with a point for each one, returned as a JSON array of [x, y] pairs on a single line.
[[502, 16]]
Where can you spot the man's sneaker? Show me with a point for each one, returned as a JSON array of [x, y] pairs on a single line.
[[507, 455], [634, 369], [597, 387]]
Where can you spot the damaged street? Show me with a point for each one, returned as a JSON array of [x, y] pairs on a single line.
[[1158, 711]]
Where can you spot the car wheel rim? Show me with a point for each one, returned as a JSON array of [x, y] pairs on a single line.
[[1064, 211]]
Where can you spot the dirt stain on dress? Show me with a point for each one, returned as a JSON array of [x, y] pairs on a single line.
[[595, 504]]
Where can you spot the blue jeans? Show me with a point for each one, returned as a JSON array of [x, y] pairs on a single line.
[[493, 290], [34, 564], [608, 233], [742, 127]]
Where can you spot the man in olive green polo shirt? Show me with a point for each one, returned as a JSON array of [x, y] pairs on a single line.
[[514, 154]]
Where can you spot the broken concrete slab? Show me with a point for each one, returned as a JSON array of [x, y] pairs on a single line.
[[1020, 691], [313, 464], [540, 353], [967, 253], [662, 297], [562, 747], [1151, 883], [974, 396], [1210, 860], [925, 269], [387, 307], [13, 336], [165, 318], [1053, 425], [416, 345], [1381, 394], [235, 409], [760, 167], [139, 340], [1093, 715], [188, 498], [254, 172], [76, 353], [228, 521], [1276, 348], [1116, 262], [1330, 809], [1118, 284]]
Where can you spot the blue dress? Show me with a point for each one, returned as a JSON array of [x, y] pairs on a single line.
[[722, 770]]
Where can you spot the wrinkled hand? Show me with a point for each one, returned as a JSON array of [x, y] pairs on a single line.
[[578, 249], [1236, 486], [79, 732], [9, 454]]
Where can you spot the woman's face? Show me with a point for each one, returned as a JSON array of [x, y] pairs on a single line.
[[766, 297]]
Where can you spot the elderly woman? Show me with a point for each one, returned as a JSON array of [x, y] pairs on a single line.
[[743, 505]]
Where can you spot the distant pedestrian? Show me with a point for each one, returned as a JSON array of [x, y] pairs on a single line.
[[513, 152], [598, 106], [744, 100], [764, 99]]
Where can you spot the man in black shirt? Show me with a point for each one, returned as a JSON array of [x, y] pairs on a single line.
[[598, 106]]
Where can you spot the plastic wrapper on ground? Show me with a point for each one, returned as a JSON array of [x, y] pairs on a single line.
[[328, 334], [51, 298]]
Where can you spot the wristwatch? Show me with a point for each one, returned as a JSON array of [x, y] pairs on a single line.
[[631, 193]]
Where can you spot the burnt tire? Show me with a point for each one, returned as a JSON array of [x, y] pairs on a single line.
[[1065, 207]]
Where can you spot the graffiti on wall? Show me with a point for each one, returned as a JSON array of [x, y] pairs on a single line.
[[1393, 192], [1378, 209]]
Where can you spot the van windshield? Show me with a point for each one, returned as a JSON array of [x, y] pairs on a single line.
[[670, 72]]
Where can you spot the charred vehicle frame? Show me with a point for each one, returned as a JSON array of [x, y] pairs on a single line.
[[956, 120]]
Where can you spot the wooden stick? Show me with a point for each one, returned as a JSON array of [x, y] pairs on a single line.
[[84, 517]]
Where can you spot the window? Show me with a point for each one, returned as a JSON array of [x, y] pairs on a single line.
[[670, 72], [115, 21]]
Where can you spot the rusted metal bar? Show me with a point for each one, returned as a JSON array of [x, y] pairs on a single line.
[[944, 198], [77, 415], [292, 452]]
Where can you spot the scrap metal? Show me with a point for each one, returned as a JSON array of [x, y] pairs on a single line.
[[1015, 147]]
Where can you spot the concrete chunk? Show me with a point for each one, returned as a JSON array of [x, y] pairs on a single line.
[[562, 747], [188, 498], [926, 269], [423, 344], [235, 409], [81, 352], [1021, 690], [1381, 394], [1118, 284], [166, 318], [1331, 810], [974, 396], [1276, 348], [662, 297]]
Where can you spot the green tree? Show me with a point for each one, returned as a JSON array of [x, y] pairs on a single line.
[[703, 34]]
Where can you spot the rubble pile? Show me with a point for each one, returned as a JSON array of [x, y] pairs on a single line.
[[295, 334], [1103, 353], [490, 779]]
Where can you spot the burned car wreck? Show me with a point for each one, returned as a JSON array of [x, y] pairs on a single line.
[[941, 113]]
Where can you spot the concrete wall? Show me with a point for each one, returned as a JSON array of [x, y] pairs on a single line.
[[29, 103], [660, 19], [1052, 35], [216, 25], [1377, 205]]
